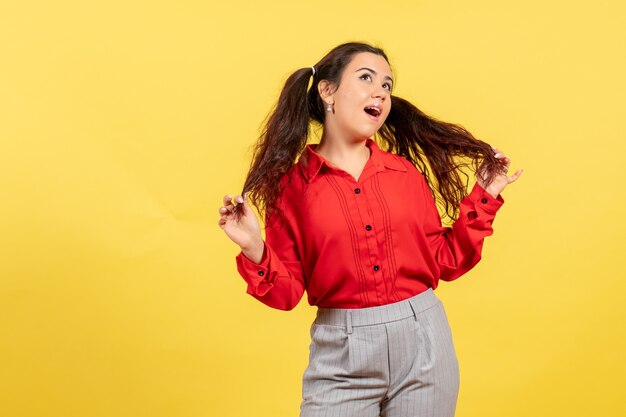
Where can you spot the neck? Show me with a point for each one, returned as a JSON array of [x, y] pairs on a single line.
[[342, 150]]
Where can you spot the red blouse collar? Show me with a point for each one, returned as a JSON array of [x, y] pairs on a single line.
[[311, 162]]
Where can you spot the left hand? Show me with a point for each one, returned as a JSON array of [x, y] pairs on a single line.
[[500, 181]]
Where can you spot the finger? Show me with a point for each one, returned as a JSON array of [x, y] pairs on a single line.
[[226, 209], [238, 200], [241, 202], [227, 199], [505, 161], [515, 176]]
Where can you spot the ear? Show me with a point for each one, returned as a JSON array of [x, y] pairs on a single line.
[[326, 90]]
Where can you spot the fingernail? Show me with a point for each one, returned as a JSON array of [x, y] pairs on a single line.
[[498, 154], [239, 199]]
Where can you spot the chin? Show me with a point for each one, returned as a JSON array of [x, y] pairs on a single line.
[[363, 132], [370, 133], [362, 137], [366, 132]]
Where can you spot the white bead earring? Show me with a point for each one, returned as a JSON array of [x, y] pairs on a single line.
[[330, 108]]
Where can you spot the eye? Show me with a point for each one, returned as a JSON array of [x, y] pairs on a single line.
[[388, 86], [366, 77]]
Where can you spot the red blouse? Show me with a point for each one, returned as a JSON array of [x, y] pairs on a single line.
[[354, 244]]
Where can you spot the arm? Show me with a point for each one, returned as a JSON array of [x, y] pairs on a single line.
[[277, 278], [457, 249]]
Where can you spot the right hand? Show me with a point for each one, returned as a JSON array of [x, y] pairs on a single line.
[[245, 232], [501, 180]]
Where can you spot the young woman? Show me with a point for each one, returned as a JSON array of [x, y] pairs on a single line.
[[356, 226]]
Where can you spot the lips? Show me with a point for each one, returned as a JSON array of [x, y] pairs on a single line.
[[373, 111]]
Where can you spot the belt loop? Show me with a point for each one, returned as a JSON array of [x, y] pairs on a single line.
[[411, 301], [349, 321]]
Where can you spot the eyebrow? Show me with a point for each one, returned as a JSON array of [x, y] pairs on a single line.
[[374, 72]]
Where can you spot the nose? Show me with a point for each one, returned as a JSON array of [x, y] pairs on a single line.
[[380, 92]]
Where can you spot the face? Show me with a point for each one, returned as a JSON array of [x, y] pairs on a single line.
[[362, 100]]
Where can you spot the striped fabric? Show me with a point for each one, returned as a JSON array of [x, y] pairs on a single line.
[[395, 360]]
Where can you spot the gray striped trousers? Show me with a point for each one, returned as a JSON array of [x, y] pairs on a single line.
[[396, 360]]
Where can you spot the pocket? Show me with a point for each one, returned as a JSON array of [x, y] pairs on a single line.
[[327, 353], [444, 327], [446, 352]]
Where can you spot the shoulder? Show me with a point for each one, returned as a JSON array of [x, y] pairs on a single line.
[[401, 161], [293, 180], [288, 186], [415, 175]]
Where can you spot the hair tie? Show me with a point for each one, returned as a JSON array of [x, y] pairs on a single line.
[[313, 68]]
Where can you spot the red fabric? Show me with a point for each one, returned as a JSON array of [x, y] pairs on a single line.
[[354, 244]]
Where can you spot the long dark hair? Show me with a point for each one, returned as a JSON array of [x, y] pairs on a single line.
[[438, 149]]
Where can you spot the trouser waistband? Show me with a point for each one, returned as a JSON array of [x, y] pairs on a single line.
[[368, 316]]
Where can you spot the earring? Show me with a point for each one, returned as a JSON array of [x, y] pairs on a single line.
[[330, 108]]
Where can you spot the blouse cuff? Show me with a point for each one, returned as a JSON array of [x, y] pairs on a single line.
[[253, 272], [484, 200]]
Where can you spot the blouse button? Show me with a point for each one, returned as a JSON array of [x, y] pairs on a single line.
[[484, 201], [368, 227], [357, 190], [261, 273], [376, 267]]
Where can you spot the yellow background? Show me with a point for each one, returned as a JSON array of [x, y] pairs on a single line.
[[123, 123]]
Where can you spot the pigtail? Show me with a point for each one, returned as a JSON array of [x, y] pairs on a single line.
[[439, 149], [283, 138]]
